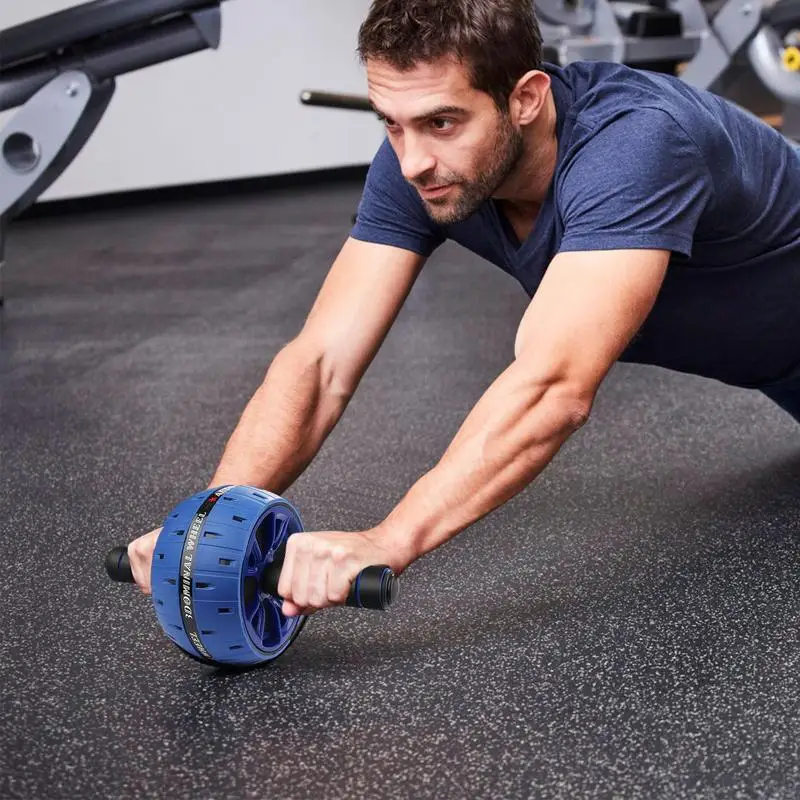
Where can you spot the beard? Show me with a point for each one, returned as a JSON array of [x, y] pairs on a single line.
[[505, 150]]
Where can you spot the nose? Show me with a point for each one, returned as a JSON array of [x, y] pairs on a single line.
[[415, 160]]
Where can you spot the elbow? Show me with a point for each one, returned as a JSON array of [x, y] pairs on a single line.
[[303, 358], [571, 406], [575, 402], [567, 404], [533, 422], [563, 393]]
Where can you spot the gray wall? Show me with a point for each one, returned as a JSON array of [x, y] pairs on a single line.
[[230, 113]]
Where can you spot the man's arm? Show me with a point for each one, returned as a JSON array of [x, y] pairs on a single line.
[[587, 309], [310, 382]]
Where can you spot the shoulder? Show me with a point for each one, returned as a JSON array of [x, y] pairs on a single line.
[[596, 96], [644, 144], [626, 133]]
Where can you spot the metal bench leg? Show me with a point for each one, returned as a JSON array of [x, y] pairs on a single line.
[[2, 258]]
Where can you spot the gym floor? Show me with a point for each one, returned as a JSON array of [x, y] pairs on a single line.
[[626, 627]]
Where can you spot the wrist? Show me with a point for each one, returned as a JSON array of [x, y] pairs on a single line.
[[397, 543]]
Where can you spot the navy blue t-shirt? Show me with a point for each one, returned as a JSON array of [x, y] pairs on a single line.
[[646, 161]]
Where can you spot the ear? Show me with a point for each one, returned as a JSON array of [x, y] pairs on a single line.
[[528, 97]]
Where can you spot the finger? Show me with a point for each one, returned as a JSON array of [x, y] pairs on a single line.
[[287, 570], [301, 570], [338, 578], [318, 576], [140, 566], [289, 609]]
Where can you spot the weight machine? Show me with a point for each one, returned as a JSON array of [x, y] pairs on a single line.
[[62, 70], [706, 44]]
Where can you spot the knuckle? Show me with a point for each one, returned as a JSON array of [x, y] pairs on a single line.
[[339, 594], [298, 594], [299, 545], [316, 600], [322, 551], [285, 586]]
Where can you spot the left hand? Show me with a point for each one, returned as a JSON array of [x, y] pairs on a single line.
[[319, 568]]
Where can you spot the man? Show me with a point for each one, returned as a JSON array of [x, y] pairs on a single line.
[[648, 222]]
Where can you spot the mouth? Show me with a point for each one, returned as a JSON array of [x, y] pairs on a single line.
[[432, 192]]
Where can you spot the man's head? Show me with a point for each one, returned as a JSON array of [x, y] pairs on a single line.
[[453, 81]]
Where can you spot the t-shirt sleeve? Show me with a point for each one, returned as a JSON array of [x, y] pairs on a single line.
[[391, 212], [639, 183]]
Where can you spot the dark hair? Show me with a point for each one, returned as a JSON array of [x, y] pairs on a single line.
[[497, 40]]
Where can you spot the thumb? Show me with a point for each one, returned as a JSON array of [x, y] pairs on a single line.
[[289, 609]]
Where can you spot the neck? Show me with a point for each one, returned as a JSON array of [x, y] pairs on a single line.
[[527, 187]]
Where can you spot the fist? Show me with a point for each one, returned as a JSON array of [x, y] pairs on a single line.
[[140, 554], [319, 568]]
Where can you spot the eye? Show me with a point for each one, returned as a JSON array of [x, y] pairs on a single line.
[[389, 123], [440, 124]]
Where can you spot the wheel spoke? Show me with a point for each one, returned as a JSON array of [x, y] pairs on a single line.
[[267, 627], [273, 623], [252, 613], [258, 622], [254, 559], [263, 535], [269, 547], [280, 534], [250, 594]]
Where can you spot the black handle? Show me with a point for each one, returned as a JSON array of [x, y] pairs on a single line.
[[349, 102], [118, 565], [374, 588]]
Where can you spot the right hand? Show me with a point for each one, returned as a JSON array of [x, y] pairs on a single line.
[[140, 554]]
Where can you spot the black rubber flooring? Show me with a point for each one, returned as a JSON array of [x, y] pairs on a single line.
[[627, 627]]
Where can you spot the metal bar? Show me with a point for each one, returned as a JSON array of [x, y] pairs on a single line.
[[350, 102], [708, 65], [19, 89], [172, 39], [657, 48], [2, 258], [66, 28], [736, 23], [790, 124], [175, 39]]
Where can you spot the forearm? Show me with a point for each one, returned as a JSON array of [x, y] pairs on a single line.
[[508, 438], [284, 425]]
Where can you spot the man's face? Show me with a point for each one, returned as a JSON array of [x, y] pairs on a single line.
[[453, 143]]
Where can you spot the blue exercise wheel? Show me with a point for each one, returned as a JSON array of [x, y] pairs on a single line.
[[215, 573]]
